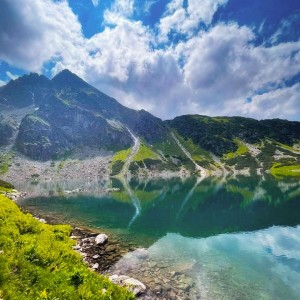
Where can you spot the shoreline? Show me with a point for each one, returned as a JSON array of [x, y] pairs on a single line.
[[100, 256]]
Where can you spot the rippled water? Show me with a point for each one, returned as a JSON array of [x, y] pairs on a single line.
[[218, 239]]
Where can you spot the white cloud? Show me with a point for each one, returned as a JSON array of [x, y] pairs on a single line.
[[32, 32], [223, 68], [185, 20], [148, 5], [282, 103], [11, 76], [120, 9], [95, 2]]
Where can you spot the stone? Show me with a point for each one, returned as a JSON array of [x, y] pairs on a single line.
[[157, 289], [95, 266], [110, 248], [141, 253], [113, 278], [87, 240], [135, 286], [74, 237], [101, 239], [77, 247], [96, 256], [152, 264], [183, 267]]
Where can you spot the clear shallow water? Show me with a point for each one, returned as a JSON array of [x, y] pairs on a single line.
[[218, 235]]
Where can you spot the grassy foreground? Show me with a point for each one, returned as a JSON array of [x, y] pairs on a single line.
[[37, 262]]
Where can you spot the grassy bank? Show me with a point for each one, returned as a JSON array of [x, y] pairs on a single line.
[[37, 262]]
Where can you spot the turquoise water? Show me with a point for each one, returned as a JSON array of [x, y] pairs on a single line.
[[236, 238]]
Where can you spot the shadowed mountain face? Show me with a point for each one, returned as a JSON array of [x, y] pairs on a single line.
[[69, 113]]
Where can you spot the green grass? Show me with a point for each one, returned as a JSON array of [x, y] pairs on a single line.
[[144, 153], [241, 150], [286, 147], [37, 262], [279, 170], [118, 161], [168, 147], [122, 155]]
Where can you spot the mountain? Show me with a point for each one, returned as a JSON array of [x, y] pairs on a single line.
[[47, 119], [70, 113], [238, 142]]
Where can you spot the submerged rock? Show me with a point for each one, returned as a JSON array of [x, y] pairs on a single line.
[[141, 253]]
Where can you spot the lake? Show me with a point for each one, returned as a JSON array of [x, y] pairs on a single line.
[[214, 238]]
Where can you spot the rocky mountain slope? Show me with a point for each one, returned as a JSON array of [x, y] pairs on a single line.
[[52, 120]]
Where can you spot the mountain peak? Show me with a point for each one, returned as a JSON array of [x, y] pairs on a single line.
[[67, 78]]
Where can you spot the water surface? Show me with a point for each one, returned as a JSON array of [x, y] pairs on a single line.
[[224, 238]]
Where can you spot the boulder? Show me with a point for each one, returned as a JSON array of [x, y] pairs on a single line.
[[101, 239], [135, 286]]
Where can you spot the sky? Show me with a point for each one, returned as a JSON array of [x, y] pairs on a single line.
[[170, 57]]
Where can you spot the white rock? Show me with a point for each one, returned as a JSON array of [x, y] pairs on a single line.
[[74, 237], [77, 247], [101, 239], [135, 286], [87, 240], [96, 256], [95, 266], [113, 278]]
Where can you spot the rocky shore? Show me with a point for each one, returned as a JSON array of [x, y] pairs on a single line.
[[135, 269], [100, 253]]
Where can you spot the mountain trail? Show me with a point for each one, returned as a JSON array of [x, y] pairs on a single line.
[[189, 156]]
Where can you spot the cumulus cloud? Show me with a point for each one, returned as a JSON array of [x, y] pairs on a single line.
[[32, 32], [212, 72], [223, 68], [282, 103], [186, 19], [120, 9]]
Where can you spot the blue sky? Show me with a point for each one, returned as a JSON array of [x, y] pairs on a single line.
[[170, 57]]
